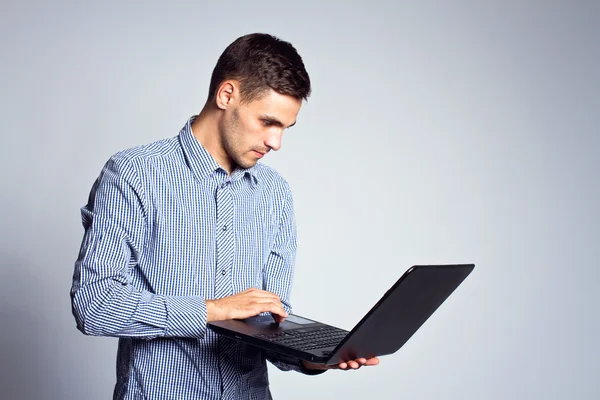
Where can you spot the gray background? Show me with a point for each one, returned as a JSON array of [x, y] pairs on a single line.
[[437, 132]]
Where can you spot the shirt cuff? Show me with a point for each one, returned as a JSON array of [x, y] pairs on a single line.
[[186, 317]]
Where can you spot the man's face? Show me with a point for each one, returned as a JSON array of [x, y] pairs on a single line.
[[251, 130]]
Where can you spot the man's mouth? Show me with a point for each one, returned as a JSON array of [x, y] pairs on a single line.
[[259, 154]]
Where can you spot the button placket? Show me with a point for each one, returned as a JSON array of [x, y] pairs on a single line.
[[225, 244]]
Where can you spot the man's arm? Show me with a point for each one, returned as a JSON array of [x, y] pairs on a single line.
[[103, 300]]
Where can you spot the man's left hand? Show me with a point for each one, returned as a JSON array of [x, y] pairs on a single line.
[[347, 365]]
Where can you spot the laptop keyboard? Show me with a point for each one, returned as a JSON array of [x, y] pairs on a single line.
[[307, 338]]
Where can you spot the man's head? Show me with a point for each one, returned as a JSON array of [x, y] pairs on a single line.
[[260, 62], [257, 89]]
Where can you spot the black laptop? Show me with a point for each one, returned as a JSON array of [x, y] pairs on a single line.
[[385, 328]]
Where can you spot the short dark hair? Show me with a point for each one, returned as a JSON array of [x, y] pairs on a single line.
[[260, 61]]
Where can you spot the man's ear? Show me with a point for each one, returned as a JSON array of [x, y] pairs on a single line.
[[227, 94]]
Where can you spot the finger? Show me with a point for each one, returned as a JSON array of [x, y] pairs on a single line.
[[261, 293], [353, 364], [278, 318], [280, 310], [361, 361], [343, 365], [268, 300], [263, 300], [271, 307], [255, 295], [372, 361], [270, 297]]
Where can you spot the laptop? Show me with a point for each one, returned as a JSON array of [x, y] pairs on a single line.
[[383, 330]]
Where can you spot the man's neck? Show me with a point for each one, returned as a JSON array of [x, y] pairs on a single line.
[[205, 129]]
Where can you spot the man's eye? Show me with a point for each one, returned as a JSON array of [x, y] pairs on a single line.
[[266, 122]]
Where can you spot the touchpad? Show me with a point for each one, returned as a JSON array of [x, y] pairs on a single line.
[[298, 320], [289, 322]]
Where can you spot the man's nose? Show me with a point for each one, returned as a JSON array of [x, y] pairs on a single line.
[[274, 140]]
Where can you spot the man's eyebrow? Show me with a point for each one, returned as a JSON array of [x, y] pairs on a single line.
[[275, 121]]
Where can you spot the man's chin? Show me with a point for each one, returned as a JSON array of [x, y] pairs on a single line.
[[246, 164]]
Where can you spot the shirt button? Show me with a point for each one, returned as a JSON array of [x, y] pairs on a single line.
[[223, 272], [224, 227]]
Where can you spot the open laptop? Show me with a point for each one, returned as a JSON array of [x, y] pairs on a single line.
[[386, 327]]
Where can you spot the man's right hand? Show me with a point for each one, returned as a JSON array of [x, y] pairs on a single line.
[[245, 304]]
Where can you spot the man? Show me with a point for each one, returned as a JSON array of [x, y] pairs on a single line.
[[192, 229]]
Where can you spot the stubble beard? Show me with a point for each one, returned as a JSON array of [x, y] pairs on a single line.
[[232, 144]]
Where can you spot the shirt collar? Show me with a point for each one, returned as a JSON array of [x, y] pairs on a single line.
[[201, 162]]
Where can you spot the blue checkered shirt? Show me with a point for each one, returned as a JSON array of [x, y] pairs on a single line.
[[166, 228]]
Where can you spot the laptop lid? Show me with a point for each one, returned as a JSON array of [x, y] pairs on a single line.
[[403, 309]]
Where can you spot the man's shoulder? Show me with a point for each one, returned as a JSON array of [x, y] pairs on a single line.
[[147, 152], [270, 177]]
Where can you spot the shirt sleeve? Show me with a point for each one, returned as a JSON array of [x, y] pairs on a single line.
[[278, 274], [104, 302]]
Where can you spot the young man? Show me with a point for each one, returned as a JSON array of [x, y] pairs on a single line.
[[192, 229]]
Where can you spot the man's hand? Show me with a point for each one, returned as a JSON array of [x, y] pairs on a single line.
[[245, 304], [348, 365]]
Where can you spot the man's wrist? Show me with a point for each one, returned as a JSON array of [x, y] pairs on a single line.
[[211, 311], [311, 369]]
